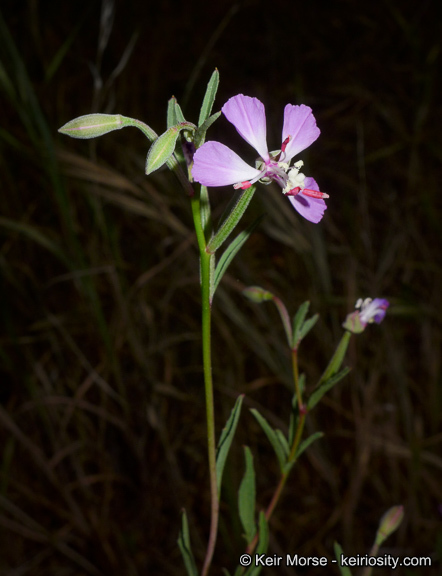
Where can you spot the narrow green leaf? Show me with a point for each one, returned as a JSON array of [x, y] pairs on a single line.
[[225, 440], [307, 326], [209, 97], [306, 443], [298, 321], [322, 389], [273, 437], [338, 553], [92, 125], [231, 251], [174, 113], [247, 496], [337, 358], [185, 547], [200, 134], [283, 441], [263, 544], [232, 220], [164, 146]]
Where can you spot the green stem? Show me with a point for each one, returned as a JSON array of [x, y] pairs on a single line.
[[292, 456], [208, 383]]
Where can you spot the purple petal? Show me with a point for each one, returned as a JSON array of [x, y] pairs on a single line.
[[249, 118], [311, 208], [300, 125], [375, 311], [217, 165]]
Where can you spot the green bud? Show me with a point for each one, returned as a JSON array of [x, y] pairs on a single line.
[[257, 294], [390, 522], [164, 146], [92, 125]]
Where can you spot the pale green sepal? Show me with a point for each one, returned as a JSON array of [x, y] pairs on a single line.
[[209, 97], [225, 440], [319, 392], [281, 450], [232, 220], [226, 572], [92, 125], [263, 544], [185, 547], [338, 553], [200, 134], [164, 146], [231, 251], [247, 496], [174, 113]]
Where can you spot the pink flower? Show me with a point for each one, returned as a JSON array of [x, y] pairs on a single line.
[[217, 165]]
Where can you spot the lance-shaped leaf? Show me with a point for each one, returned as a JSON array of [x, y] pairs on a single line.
[[225, 440], [164, 146], [209, 97], [92, 125], [185, 547], [338, 554], [306, 443], [230, 253], [276, 439], [200, 134], [232, 220], [263, 544], [323, 388], [247, 496], [301, 326], [337, 358], [174, 113]]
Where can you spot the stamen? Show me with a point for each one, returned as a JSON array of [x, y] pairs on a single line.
[[293, 191], [315, 193], [242, 185]]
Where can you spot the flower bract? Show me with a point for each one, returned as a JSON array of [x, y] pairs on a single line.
[[217, 165]]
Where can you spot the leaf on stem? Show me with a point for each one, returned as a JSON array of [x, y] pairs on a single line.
[[319, 392], [231, 251], [232, 220], [174, 113], [225, 440], [247, 496], [301, 326], [263, 544], [209, 97], [185, 547], [276, 439], [200, 134]]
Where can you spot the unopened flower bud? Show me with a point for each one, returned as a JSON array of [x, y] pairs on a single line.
[[390, 522]]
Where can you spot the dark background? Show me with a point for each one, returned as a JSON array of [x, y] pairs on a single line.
[[102, 409]]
